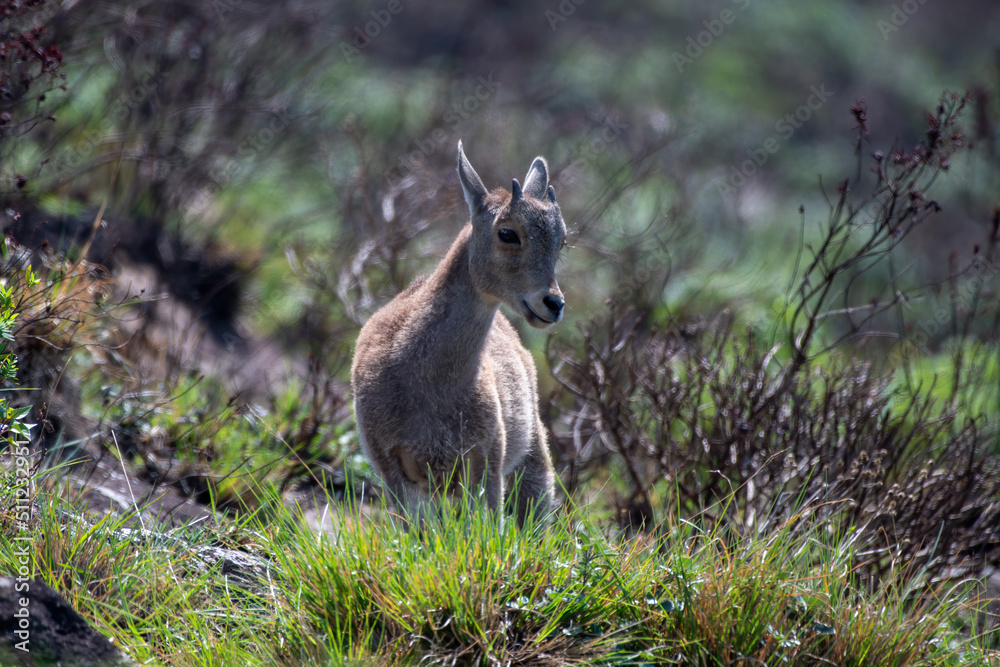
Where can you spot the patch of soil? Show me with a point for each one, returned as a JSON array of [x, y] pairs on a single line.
[[100, 485]]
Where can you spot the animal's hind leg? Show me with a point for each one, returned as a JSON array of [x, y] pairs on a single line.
[[494, 484], [408, 486], [410, 502], [534, 481], [486, 464]]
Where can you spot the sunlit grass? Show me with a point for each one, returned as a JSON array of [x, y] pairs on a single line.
[[467, 589]]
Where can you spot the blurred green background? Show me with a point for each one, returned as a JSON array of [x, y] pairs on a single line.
[[284, 136], [257, 177]]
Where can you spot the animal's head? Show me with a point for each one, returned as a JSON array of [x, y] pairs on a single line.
[[516, 238]]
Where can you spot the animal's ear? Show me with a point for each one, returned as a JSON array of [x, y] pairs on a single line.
[[472, 186], [537, 179], [551, 195]]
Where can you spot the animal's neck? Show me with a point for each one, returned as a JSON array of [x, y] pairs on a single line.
[[458, 319]]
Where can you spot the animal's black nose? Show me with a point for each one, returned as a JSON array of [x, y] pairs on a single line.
[[554, 304]]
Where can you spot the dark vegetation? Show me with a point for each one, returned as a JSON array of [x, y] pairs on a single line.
[[213, 196], [707, 417]]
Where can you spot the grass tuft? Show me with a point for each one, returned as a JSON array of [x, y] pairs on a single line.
[[466, 589]]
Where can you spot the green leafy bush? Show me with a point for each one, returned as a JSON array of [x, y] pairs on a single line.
[[17, 283]]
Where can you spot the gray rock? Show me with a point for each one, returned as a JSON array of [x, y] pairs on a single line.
[[49, 628], [240, 568]]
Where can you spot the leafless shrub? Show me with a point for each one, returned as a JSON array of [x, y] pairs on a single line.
[[702, 420], [201, 91], [31, 62], [678, 411]]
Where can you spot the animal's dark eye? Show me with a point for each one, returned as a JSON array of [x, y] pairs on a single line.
[[508, 236]]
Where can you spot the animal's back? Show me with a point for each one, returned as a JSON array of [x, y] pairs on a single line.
[[385, 345], [375, 342]]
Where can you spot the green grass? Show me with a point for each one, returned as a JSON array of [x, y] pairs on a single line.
[[465, 590], [224, 448]]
